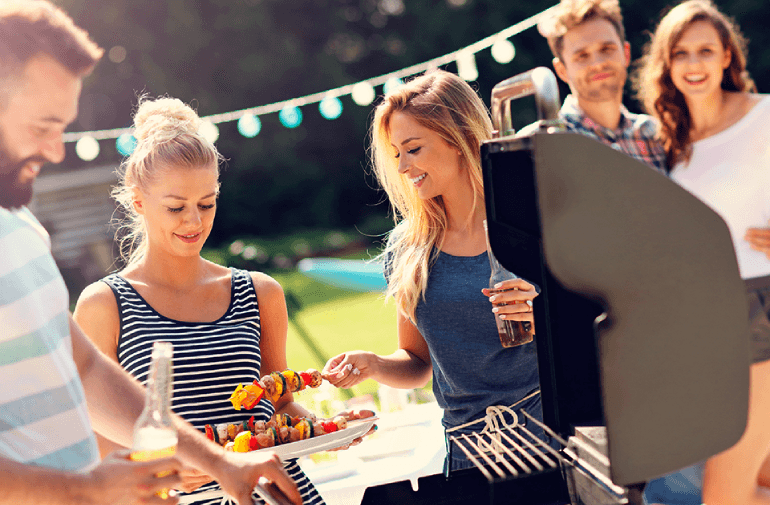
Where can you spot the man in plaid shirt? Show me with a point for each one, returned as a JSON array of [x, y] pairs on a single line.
[[592, 56]]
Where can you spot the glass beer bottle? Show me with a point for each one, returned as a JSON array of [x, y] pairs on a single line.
[[512, 333], [155, 435]]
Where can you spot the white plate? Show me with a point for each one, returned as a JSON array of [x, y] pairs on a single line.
[[339, 438]]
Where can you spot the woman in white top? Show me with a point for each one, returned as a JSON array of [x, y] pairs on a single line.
[[714, 127]]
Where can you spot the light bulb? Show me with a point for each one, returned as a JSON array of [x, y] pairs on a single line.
[[249, 125], [87, 148], [363, 93], [290, 116], [125, 144], [330, 107], [503, 51], [209, 131], [466, 66]]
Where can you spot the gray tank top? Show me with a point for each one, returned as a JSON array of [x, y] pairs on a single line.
[[471, 369]]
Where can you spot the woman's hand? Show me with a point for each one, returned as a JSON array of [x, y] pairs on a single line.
[[759, 240], [348, 369], [512, 299], [192, 479]]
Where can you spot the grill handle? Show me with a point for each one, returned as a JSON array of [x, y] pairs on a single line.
[[540, 82]]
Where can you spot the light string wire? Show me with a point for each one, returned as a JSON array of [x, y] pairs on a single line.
[[343, 90]]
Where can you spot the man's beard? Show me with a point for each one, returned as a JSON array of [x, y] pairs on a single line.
[[607, 91], [13, 192]]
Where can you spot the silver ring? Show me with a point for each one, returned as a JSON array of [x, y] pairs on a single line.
[[529, 302], [356, 371]]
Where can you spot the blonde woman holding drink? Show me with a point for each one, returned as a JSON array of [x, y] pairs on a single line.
[[425, 150]]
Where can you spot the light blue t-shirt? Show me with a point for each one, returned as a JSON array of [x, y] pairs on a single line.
[[43, 414]]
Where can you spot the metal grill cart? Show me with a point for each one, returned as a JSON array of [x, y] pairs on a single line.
[[640, 375]]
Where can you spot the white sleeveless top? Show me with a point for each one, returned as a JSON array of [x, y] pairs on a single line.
[[730, 172]]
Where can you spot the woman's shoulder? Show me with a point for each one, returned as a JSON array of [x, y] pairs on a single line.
[[264, 284], [98, 294], [96, 303], [748, 104]]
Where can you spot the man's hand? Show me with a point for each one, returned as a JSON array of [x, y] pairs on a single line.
[[119, 481], [192, 479], [239, 476]]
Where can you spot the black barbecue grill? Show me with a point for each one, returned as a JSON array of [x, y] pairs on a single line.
[[639, 374], [514, 451]]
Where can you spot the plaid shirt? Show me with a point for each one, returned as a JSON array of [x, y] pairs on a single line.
[[635, 134]]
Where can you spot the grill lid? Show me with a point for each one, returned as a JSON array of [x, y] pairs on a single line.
[[600, 231]]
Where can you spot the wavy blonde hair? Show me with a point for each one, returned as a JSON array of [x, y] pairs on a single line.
[[166, 132], [447, 105], [652, 78]]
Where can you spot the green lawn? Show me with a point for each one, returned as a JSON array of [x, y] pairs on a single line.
[[337, 321], [334, 320]]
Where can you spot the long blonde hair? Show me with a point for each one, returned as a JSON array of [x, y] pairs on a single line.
[[166, 132], [447, 105], [652, 79]]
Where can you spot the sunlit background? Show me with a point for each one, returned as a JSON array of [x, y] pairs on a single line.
[[287, 89]]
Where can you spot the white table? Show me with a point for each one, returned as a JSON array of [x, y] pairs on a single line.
[[408, 444]]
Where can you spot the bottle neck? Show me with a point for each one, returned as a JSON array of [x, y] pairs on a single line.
[[159, 392], [493, 263]]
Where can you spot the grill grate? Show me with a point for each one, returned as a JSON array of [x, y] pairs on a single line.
[[505, 451]]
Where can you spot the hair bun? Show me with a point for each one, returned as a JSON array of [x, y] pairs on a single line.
[[164, 118]]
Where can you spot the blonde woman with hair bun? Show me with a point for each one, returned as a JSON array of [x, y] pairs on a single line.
[[425, 150], [228, 326]]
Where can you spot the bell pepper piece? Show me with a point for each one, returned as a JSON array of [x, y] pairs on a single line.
[[306, 379], [254, 393], [242, 442], [237, 397]]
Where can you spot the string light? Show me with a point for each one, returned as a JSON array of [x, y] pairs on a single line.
[[503, 51], [290, 116], [125, 144], [87, 148], [330, 107], [209, 131], [466, 66], [392, 84], [249, 125], [363, 94]]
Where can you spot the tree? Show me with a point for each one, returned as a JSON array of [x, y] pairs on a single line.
[[224, 55]]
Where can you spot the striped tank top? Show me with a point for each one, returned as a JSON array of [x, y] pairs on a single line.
[[210, 360]]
